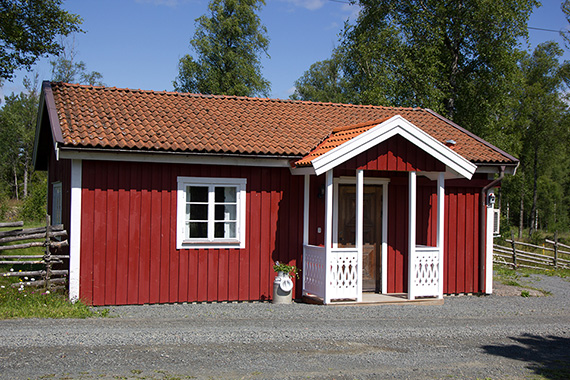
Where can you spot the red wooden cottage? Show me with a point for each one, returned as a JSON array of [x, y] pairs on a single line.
[[173, 197]]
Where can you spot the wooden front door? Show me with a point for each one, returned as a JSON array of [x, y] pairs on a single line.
[[372, 230]]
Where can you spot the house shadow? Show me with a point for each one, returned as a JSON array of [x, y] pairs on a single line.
[[547, 356]]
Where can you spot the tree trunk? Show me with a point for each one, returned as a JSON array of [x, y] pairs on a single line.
[[25, 181], [521, 219], [16, 183], [533, 212]]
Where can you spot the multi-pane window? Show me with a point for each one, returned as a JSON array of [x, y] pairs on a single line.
[[211, 212]]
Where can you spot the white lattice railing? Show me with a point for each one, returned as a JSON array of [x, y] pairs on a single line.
[[314, 265], [426, 272], [343, 279], [342, 264]]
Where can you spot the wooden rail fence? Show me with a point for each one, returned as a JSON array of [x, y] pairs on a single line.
[[526, 255], [52, 238]]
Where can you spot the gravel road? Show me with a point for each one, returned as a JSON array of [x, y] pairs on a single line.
[[487, 337]]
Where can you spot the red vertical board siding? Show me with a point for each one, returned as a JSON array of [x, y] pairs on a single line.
[[394, 154], [87, 226], [452, 243], [469, 243], [123, 209], [129, 220], [460, 242], [276, 192], [223, 265], [134, 233], [244, 254], [155, 223], [476, 197], [255, 237], [100, 236], [397, 238], [267, 233], [145, 229], [169, 258], [461, 249], [112, 235]]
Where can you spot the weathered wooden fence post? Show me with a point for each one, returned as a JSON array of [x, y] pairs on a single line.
[[555, 249], [514, 250], [47, 256]]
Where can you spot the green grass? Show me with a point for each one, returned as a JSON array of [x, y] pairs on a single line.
[[37, 303], [503, 271]]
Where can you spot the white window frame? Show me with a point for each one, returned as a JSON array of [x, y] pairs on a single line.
[[210, 242], [56, 203]]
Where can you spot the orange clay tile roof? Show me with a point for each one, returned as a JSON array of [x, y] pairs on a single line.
[[112, 118], [338, 137]]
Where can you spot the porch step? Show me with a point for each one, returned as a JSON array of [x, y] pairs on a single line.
[[376, 299]]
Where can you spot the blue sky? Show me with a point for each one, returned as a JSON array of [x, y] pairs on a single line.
[[137, 43]]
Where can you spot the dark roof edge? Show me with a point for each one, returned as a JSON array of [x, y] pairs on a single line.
[[47, 104], [471, 134], [52, 112]]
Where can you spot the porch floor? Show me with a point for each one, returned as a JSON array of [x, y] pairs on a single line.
[[376, 299]]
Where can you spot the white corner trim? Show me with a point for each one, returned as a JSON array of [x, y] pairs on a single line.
[[412, 190], [306, 198], [396, 125], [440, 231], [75, 230], [489, 251]]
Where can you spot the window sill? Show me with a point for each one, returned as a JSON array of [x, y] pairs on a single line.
[[201, 244]]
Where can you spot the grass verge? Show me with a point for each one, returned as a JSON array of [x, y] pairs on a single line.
[[38, 303]]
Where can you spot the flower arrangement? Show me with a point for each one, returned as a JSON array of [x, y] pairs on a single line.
[[291, 270]]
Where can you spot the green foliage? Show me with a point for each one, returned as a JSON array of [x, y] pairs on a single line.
[[540, 120], [35, 205], [323, 82], [457, 58], [291, 270], [227, 46], [66, 69], [29, 30], [17, 131], [37, 303]]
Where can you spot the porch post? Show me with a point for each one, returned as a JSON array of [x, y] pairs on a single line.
[[328, 232], [440, 229], [306, 210], [359, 230], [411, 233], [307, 187]]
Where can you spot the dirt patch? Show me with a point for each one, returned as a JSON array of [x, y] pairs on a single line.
[[502, 290]]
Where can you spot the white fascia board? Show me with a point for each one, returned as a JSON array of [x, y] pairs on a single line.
[[174, 158], [303, 170], [496, 168], [396, 125]]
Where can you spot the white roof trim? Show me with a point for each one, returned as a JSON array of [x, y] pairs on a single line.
[[173, 158], [457, 165]]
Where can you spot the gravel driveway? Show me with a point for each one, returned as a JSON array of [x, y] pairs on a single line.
[[496, 337]]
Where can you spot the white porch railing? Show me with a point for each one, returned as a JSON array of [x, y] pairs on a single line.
[[426, 274], [314, 266], [341, 281]]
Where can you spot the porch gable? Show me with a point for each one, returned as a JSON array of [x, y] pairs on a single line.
[[356, 144]]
